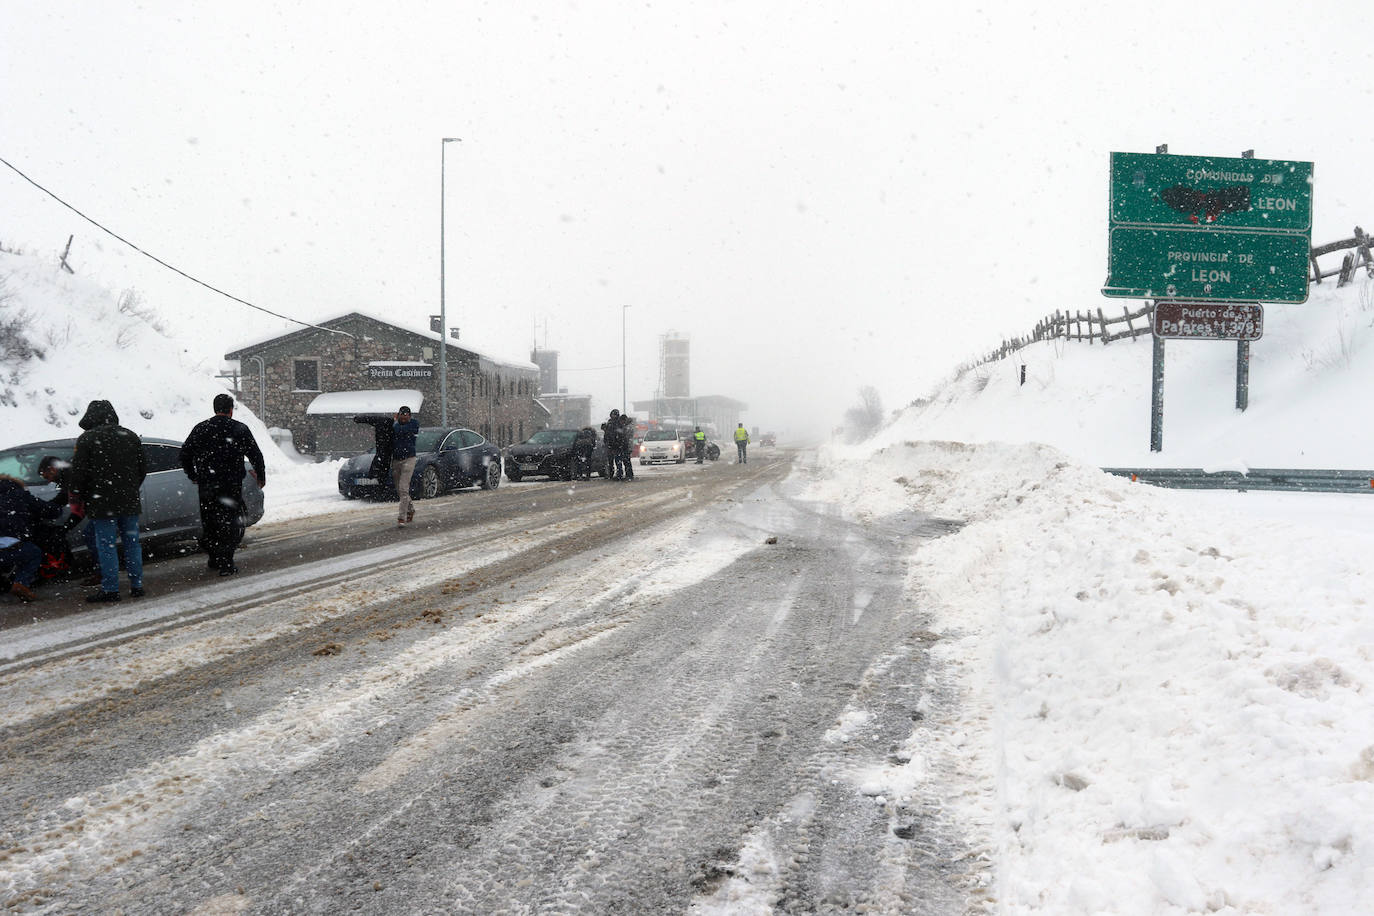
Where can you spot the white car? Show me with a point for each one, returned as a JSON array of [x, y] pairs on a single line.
[[661, 445]]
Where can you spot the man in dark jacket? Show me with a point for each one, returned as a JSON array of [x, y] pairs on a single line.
[[213, 457], [627, 439], [19, 511], [612, 432], [107, 470], [584, 446]]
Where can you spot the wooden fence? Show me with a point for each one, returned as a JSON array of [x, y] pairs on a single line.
[[1100, 326]]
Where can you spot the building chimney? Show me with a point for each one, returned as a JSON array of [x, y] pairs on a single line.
[[453, 332]]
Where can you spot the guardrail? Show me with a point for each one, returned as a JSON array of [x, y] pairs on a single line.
[[1301, 480]]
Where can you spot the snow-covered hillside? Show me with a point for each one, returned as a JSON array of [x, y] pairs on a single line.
[[1310, 381], [86, 342]]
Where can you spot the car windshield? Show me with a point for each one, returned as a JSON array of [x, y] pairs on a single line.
[[660, 435], [428, 440], [552, 437], [22, 462]]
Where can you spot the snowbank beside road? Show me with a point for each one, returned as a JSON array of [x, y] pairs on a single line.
[[1167, 703]]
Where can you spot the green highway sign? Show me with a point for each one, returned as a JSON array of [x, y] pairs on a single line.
[[1147, 263], [1204, 192]]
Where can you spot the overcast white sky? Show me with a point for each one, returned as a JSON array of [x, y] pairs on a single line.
[[822, 195]]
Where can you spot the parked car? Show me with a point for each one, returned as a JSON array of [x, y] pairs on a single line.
[[662, 445], [446, 458], [549, 453], [171, 503], [768, 440], [689, 446]]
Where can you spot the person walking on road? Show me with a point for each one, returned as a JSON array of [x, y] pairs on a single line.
[[699, 444], [20, 511], [403, 433], [108, 468], [741, 444], [212, 458]]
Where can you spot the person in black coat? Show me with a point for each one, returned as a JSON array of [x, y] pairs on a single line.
[[583, 448], [19, 511], [108, 468], [212, 458], [612, 432]]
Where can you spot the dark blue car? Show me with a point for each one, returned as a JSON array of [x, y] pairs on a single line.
[[446, 458]]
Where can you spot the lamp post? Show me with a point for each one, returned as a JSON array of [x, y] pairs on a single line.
[[624, 402], [443, 314]]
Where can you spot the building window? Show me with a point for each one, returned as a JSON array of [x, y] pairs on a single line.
[[498, 389], [307, 374], [474, 386]]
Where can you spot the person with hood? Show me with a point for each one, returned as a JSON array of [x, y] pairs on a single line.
[[583, 448], [213, 457], [19, 511], [107, 470]]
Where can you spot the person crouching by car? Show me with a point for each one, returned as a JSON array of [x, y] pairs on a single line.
[[53, 538], [19, 511], [212, 458], [403, 433]]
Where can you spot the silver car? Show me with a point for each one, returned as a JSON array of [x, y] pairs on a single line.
[[171, 503]]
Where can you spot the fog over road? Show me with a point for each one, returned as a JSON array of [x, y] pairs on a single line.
[[553, 698]]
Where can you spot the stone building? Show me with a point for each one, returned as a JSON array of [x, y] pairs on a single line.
[[315, 380]]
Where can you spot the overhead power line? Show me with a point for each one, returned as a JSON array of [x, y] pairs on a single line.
[[153, 257]]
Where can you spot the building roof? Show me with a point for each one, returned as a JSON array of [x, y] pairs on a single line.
[[465, 344]]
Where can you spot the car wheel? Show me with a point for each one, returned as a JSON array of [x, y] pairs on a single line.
[[430, 486], [513, 475], [605, 471], [682, 461], [348, 494], [492, 478]]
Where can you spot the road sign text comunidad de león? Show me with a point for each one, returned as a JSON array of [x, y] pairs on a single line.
[[1260, 195]]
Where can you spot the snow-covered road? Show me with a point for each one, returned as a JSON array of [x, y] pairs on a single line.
[[669, 712]]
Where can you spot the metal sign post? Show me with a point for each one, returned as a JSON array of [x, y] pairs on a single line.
[[1157, 397]]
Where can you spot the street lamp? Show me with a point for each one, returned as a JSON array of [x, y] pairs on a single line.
[[443, 315], [624, 402]]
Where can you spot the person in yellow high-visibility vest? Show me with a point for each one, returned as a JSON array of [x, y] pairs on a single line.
[[741, 443], [699, 443]]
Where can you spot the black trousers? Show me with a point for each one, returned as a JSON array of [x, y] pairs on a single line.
[[220, 514]]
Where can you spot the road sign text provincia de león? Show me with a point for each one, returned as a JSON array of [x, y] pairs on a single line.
[[1148, 263], [1209, 321]]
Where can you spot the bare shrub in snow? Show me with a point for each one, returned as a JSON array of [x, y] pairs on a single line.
[[867, 418], [131, 304], [15, 327]]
